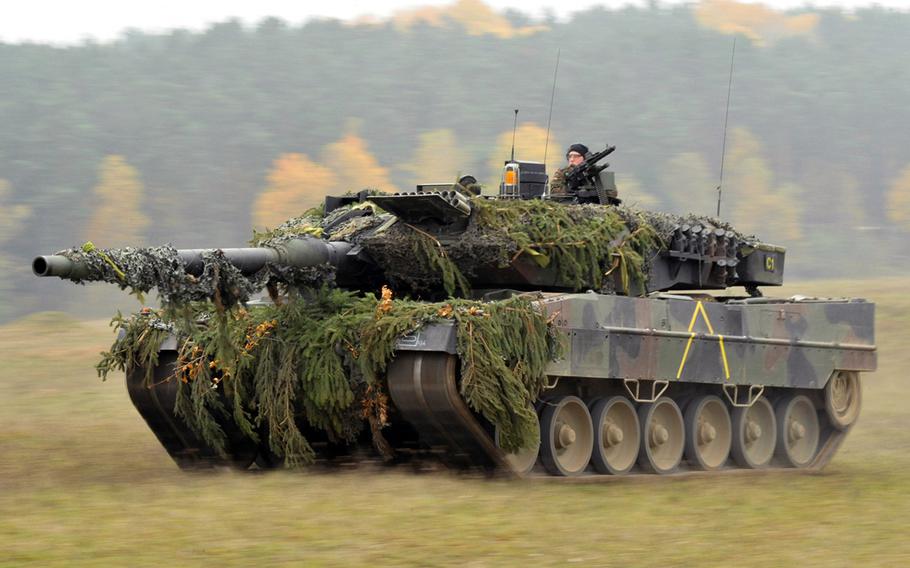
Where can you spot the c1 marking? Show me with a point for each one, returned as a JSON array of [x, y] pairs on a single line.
[[769, 263], [720, 338]]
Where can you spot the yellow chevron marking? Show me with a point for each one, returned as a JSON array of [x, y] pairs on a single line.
[[688, 343], [700, 309], [723, 355]]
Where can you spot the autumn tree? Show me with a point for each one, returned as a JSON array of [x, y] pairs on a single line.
[[772, 213], [687, 184], [759, 23], [354, 167], [117, 214], [437, 158], [295, 183], [898, 200], [632, 193], [530, 142], [476, 17]]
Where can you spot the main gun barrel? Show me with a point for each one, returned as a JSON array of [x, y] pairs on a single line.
[[300, 253]]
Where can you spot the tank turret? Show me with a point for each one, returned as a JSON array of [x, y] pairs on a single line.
[[412, 238]]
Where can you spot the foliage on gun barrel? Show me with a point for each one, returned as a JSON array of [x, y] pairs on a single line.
[[144, 269], [164, 269]]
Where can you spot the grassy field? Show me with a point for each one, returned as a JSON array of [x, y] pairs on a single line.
[[84, 483]]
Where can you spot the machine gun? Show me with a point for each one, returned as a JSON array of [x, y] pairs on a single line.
[[587, 182]]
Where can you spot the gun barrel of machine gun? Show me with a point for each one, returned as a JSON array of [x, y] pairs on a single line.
[[591, 159]]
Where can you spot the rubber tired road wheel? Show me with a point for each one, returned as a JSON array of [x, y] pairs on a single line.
[[566, 436], [843, 398], [797, 430], [617, 435], [754, 434], [662, 436], [709, 433], [522, 461]]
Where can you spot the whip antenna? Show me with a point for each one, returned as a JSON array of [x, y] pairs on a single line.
[[552, 98], [723, 151], [514, 126]]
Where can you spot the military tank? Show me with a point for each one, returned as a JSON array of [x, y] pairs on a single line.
[[540, 335]]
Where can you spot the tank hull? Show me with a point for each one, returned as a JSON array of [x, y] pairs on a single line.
[[677, 348], [776, 343], [752, 363]]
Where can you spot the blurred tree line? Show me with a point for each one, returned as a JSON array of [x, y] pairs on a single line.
[[195, 138]]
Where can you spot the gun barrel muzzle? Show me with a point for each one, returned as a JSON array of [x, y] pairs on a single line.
[[54, 265]]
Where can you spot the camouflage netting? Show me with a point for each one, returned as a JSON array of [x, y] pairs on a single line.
[[320, 361], [588, 246], [582, 243]]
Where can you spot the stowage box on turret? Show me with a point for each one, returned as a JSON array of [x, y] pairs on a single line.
[[514, 333]]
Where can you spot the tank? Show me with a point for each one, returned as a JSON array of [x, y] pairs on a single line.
[[521, 334]]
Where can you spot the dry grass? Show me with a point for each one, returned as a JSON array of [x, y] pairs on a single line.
[[83, 482]]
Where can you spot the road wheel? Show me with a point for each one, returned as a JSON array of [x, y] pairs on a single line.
[[567, 436], [843, 398], [797, 430], [662, 436], [709, 433], [754, 434], [617, 435], [522, 461]]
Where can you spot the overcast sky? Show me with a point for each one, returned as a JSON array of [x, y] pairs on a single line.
[[71, 21]]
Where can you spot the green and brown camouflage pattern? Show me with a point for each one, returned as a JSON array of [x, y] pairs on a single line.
[[797, 342]]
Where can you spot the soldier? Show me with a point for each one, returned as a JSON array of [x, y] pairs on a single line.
[[575, 155]]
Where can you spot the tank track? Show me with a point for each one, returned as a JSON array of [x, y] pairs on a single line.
[[155, 400], [424, 388], [434, 422]]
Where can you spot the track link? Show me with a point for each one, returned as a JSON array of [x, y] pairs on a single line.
[[424, 390]]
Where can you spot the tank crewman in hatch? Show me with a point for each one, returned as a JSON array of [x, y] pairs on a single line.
[[574, 155]]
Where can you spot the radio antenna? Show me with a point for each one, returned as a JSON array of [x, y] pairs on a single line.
[[723, 151], [552, 98], [514, 127]]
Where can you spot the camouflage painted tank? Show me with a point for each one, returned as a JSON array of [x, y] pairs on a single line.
[[535, 335]]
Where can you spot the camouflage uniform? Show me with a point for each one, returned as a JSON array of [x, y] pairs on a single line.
[[558, 182]]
